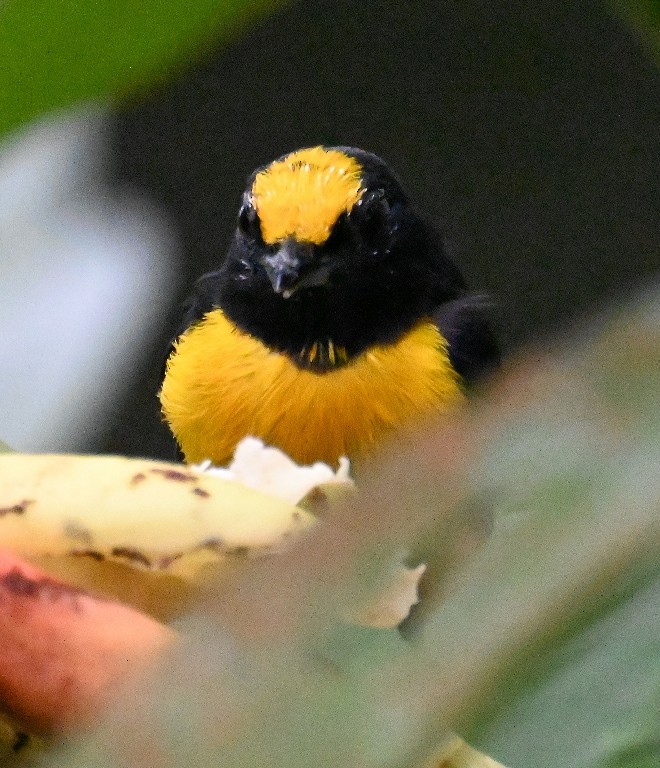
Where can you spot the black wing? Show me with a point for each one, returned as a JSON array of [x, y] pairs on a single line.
[[466, 325], [201, 300]]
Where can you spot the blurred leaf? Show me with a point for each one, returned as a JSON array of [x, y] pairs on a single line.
[[644, 17], [592, 700], [359, 650], [4, 448], [549, 645], [53, 54]]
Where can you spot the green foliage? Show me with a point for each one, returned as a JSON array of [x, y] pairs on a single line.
[[591, 699], [53, 54]]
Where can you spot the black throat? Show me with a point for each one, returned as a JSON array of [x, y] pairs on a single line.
[[367, 301]]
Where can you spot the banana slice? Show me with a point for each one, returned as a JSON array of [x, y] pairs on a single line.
[[139, 530]]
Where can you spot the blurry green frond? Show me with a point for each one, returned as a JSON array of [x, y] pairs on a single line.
[[54, 54]]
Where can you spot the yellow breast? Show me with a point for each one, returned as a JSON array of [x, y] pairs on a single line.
[[222, 384]]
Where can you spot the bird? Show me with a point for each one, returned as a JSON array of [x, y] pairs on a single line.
[[336, 318]]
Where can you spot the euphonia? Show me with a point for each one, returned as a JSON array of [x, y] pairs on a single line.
[[336, 317]]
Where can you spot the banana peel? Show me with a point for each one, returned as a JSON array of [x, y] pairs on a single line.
[[78, 534], [142, 531]]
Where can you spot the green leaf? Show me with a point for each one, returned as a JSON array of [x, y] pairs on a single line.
[[548, 650], [591, 701], [54, 54], [360, 650]]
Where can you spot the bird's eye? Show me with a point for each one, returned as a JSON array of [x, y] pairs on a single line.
[[372, 211], [248, 219], [246, 269], [371, 214]]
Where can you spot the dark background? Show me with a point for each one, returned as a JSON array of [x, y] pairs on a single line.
[[531, 128]]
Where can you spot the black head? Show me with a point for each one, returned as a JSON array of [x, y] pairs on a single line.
[[329, 258]]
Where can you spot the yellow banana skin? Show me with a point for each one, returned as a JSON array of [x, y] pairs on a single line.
[[139, 530]]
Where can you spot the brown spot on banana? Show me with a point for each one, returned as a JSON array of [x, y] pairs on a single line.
[[133, 555], [175, 474], [98, 556], [16, 509]]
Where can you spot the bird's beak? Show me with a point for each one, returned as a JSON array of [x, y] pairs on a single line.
[[292, 267]]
